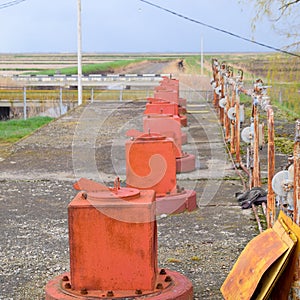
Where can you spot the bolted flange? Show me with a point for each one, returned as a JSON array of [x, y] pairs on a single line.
[[169, 285], [175, 203], [185, 163]]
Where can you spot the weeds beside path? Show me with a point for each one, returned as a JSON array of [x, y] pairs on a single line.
[[13, 130]]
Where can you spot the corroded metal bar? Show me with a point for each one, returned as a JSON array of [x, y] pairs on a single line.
[[215, 71], [297, 173], [238, 129], [221, 109], [227, 121], [271, 170], [233, 125], [256, 171]]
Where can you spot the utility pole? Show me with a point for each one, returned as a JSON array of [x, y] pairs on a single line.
[[79, 53]]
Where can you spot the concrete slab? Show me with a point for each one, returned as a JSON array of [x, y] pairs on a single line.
[[36, 183]]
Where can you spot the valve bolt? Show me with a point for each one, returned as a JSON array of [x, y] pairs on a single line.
[[162, 272], [68, 285], [159, 286]]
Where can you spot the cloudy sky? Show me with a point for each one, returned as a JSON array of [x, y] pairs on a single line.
[[130, 26]]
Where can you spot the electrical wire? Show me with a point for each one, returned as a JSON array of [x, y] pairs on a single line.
[[10, 3], [219, 29]]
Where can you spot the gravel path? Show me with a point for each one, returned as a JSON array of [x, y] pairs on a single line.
[[36, 187]]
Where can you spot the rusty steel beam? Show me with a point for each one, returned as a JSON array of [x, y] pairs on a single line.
[[256, 169], [232, 137], [224, 93], [221, 115], [238, 130], [233, 125], [297, 173], [271, 169], [227, 121], [216, 100], [238, 89], [216, 79], [221, 109]]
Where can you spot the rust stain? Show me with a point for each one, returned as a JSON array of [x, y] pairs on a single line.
[[259, 265]]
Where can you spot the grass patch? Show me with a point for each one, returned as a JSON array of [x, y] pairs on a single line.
[[284, 145], [286, 113], [13, 130], [98, 68], [92, 68], [192, 64]]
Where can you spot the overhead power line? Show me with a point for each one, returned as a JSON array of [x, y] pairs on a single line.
[[10, 3], [219, 29]]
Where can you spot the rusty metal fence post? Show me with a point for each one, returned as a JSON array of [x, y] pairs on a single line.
[[226, 99], [238, 90], [256, 162], [215, 81], [237, 129], [295, 288], [225, 93], [271, 169], [233, 122], [297, 173]]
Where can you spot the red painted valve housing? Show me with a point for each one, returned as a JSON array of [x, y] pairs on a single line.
[[113, 248], [167, 126], [151, 164]]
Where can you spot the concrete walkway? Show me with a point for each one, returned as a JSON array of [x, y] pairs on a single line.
[[36, 187]]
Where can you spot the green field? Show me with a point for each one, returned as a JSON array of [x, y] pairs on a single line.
[[280, 71], [13, 130]]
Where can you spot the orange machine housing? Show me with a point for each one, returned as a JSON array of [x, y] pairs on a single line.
[[171, 95], [107, 252], [151, 163], [166, 125], [172, 83], [160, 106], [113, 248], [166, 93]]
